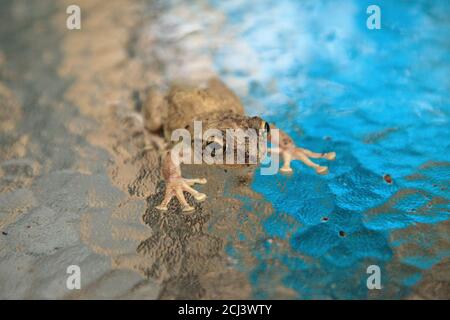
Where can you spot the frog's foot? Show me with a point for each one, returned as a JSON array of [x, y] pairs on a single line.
[[177, 187], [285, 146], [304, 155]]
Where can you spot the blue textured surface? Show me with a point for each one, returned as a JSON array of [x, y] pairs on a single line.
[[380, 99]]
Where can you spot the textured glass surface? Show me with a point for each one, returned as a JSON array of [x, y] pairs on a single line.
[[379, 98]]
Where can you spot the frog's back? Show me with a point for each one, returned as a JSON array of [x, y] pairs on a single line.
[[186, 104]]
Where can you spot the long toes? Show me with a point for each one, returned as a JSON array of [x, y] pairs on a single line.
[[188, 208], [191, 182], [322, 170], [286, 170], [200, 197], [162, 208], [330, 156]]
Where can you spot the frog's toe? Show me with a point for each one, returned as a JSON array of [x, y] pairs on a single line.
[[200, 197], [188, 208], [167, 197], [162, 208], [286, 170], [322, 170], [197, 195], [191, 182], [330, 156]]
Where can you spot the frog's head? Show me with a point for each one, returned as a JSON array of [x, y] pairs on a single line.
[[246, 145], [262, 130], [260, 125]]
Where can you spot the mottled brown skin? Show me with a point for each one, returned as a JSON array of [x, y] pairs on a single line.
[[219, 108]]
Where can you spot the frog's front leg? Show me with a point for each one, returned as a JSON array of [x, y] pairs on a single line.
[[325, 155], [301, 155], [289, 152], [176, 185]]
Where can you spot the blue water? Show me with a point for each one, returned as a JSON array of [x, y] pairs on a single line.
[[380, 99]]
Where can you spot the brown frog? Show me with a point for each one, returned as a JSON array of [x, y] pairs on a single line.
[[217, 107]]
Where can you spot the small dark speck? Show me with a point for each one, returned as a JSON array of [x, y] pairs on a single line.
[[4, 233], [324, 219], [342, 233], [28, 227], [387, 178], [225, 170]]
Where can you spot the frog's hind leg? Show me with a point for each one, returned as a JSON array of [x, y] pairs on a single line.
[[176, 185]]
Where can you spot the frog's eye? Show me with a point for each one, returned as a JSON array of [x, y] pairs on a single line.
[[267, 127]]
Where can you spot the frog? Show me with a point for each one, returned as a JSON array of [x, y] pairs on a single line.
[[216, 106]]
